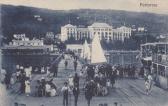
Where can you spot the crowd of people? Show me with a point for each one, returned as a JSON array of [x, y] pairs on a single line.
[[46, 88], [99, 79], [72, 85], [22, 76], [104, 76]]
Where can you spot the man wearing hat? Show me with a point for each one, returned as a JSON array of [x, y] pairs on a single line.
[[65, 89]]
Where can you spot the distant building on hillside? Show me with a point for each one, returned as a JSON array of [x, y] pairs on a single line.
[[22, 40], [22, 45], [103, 30]]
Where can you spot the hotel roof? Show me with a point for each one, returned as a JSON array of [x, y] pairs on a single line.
[[69, 25], [97, 24]]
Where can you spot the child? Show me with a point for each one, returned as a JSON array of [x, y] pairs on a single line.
[[147, 86], [108, 83]]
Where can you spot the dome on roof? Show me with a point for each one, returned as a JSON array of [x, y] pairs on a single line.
[[97, 24], [69, 25]]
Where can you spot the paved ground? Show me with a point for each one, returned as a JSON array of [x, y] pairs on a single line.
[[128, 92]]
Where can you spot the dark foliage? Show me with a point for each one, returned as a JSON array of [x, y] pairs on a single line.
[[20, 19]]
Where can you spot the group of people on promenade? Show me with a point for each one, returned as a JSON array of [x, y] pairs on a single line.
[[71, 86], [99, 79], [22, 76]]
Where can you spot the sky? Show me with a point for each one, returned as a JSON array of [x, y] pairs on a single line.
[[128, 5]]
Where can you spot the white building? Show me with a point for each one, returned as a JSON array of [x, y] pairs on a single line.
[[103, 30], [23, 42], [27, 42]]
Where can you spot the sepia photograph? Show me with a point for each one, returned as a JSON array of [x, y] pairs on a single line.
[[83, 53]]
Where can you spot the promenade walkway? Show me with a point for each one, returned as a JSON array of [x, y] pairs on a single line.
[[127, 92]]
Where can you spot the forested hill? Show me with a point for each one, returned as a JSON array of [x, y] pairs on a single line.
[[36, 22]]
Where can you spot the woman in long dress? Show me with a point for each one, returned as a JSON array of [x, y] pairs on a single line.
[[3, 73], [70, 82], [27, 88]]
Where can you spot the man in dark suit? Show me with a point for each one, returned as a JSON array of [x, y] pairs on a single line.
[[88, 92], [76, 80], [55, 69], [75, 65], [76, 94]]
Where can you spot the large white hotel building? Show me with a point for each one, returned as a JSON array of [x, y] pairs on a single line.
[[103, 30]]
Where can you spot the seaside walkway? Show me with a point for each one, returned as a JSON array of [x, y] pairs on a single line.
[[127, 92]]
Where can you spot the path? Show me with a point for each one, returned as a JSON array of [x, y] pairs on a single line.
[[128, 92]]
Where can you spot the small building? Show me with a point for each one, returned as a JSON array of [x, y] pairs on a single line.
[[76, 48], [27, 46]]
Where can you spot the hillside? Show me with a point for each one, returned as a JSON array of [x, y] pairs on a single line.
[[20, 19]]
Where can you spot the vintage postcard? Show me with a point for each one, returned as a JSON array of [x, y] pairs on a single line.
[[83, 53]]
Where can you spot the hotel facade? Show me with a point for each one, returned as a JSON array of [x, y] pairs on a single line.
[[103, 30]]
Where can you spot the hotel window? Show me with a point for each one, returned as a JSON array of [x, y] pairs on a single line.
[[85, 33], [110, 38], [109, 33], [106, 33], [28, 44], [102, 33]]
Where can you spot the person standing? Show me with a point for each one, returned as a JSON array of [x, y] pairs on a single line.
[[147, 87], [76, 80], [43, 83], [27, 72], [42, 70], [48, 70], [88, 92], [17, 72], [27, 87], [75, 65], [7, 80], [55, 70], [66, 64], [3, 74], [70, 82], [65, 89], [76, 94], [22, 80], [112, 78], [150, 79]]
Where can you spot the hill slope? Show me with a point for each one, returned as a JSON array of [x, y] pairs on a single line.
[[20, 19]]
